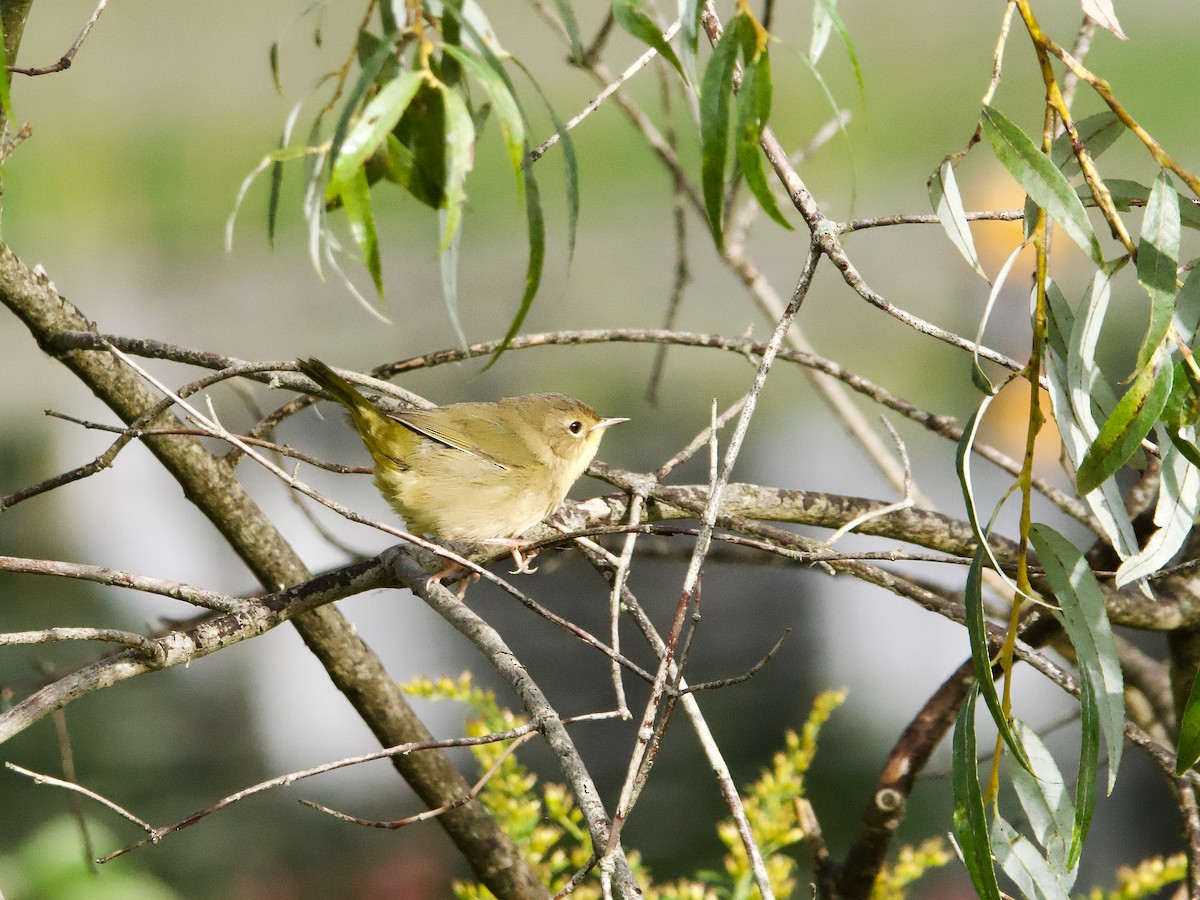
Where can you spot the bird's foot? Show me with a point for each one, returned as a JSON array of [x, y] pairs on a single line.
[[515, 546]]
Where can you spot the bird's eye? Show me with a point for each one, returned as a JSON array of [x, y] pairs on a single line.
[[575, 427]]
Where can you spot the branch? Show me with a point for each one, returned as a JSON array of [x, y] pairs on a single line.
[[212, 486]]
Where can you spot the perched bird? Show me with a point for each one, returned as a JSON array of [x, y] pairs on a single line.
[[485, 472]]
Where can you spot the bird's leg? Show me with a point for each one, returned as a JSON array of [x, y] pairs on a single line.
[[451, 568], [515, 546]]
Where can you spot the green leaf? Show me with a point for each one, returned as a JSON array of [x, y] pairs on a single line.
[[976, 623], [5, 85], [829, 17], [448, 267], [460, 157], [714, 123], [1039, 178], [1085, 618], [1045, 801], [970, 818], [1123, 431], [372, 128], [1157, 262], [1178, 502], [1077, 389], [1129, 194], [1022, 862], [508, 110], [628, 14], [1188, 753], [947, 204], [537, 258], [567, 14], [273, 59], [371, 67], [753, 109], [978, 375], [356, 201], [1098, 133]]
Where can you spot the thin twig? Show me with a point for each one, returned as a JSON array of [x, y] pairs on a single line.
[[67, 58]]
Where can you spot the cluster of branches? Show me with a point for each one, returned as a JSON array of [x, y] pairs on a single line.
[[732, 520]]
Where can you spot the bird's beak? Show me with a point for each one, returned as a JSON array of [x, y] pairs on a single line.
[[606, 423]]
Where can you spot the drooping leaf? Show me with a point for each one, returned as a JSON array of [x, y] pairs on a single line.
[[689, 36], [1098, 133], [1188, 753], [533, 273], [422, 132], [356, 201], [832, 18], [822, 27], [1022, 862], [1046, 803], [1084, 386], [371, 68], [1085, 618], [715, 91], [372, 128], [460, 158], [947, 204], [753, 110], [629, 15], [1130, 422], [1039, 178], [1129, 194], [1157, 262], [448, 268], [567, 13], [970, 818], [976, 623], [508, 110], [978, 376], [1175, 511]]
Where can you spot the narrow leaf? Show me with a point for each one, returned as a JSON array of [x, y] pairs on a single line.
[[1122, 433], [1188, 753], [372, 128], [356, 201], [1022, 862], [947, 204], [1129, 194], [1085, 386], [753, 109], [1046, 803], [977, 631], [460, 157], [537, 258], [508, 109], [1039, 178], [1098, 133], [1085, 618], [714, 123], [5, 86], [371, 67], [448, 267], [567, 13], [1175, 511], [1157, 261], [970, 818], [628, 14]]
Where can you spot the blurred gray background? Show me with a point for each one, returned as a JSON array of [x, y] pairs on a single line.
[[122, 194]]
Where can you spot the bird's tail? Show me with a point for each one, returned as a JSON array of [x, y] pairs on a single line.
[[367, 419]]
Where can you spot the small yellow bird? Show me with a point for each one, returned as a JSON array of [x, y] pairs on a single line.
[[485, 472]]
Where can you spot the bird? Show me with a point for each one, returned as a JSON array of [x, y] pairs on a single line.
[[484, 472]]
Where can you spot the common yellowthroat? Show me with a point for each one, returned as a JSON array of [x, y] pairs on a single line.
[[485, 472]]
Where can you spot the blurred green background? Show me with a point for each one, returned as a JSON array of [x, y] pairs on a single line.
[[122, 194]]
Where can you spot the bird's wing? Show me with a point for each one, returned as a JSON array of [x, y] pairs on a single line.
[[429, 424]]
